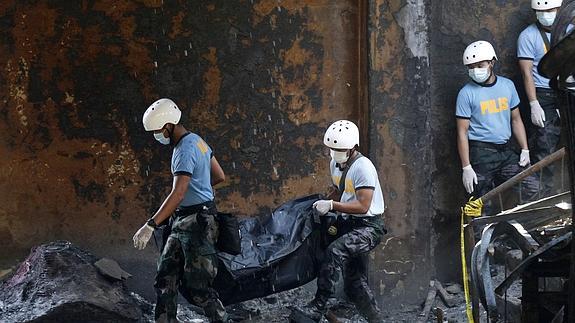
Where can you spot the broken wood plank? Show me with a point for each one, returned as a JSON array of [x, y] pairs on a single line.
[[447, 299], [519, 177], [428, 303]]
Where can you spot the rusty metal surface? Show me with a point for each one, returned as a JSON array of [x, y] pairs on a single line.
[[259, 80], [400, 148]]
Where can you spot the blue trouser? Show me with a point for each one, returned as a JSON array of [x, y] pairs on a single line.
[[495, 164]]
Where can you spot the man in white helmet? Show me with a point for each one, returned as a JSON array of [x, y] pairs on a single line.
[[188, 258], [532, 44], [487, 115], [357, 196]]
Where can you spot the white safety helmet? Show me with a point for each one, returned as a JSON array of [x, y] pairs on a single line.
[[160, 113], [478, 51], [545, 4], [342, 134]]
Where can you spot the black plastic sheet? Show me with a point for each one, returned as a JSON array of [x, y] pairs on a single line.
[[280, 251]]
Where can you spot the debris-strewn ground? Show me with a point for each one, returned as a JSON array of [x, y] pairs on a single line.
[[276, 309], [271, 309]]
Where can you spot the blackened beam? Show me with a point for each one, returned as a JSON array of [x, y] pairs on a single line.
[[519, 177], [428, 303], [521, 267], [543, 210]]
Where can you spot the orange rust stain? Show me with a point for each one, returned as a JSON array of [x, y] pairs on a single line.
[[211, 7], [261, 197], [45, 179], [138, 56], [177, 26], [234, 112], [204, 111], [212, 79], [335, 73], [127, 26], [386, 50], [211, 56], [113, 8], [273, 21], [31, 26], [115, 167], [93, 47], [19, 109], [392, 170], [264, 8], [151, 3], [295, 55], [384, 55]]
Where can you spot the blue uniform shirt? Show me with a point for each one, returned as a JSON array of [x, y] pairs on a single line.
[[191, 157], [488, 109], [530, 46]]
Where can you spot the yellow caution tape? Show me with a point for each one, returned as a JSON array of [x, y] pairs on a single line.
[[473, 209]]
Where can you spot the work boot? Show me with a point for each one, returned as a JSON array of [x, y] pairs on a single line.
[[313, 311]]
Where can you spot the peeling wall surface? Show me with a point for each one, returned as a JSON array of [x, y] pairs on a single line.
[[259, 80], [399, 100]]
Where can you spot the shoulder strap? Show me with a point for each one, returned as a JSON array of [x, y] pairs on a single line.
[[546, 43], [344, 174]]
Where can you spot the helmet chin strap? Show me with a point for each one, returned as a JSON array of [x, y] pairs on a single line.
[[171, 134]]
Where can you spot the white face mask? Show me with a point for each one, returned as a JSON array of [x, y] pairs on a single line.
[[339, 157], [546, 18], [480, 74], [161, 139]]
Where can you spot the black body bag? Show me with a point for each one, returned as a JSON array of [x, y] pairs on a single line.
[[229, 239]]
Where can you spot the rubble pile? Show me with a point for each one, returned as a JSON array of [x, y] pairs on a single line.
[[58, 282]]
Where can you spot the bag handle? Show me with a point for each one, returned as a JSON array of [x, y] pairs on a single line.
[[546, 43], [344, 174]]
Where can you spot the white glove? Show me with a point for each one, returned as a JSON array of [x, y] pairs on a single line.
[[142, 237], [524, 158], [537, 114], [469, 178], [323, 206]]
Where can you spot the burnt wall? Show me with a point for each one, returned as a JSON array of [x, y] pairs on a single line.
[[400, 144], [454, 25], [259, 80]]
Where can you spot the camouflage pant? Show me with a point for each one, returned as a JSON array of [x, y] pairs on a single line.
[[495, 164], [189, 260], [350, 254], [545, 141]]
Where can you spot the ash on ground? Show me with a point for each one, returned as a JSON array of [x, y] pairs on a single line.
[[277, 308]]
